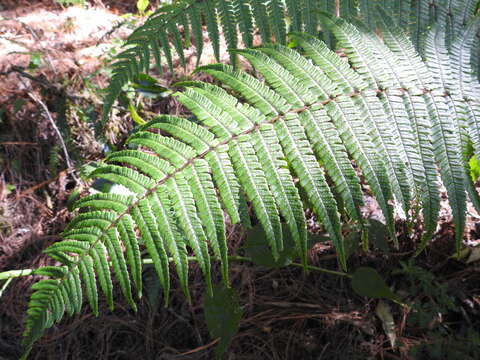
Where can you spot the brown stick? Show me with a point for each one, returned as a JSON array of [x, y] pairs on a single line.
[[201, 348], [43, 183], [26, 143]]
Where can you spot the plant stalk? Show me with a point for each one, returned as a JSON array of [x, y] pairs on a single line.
[[6, 275], [12, 274]]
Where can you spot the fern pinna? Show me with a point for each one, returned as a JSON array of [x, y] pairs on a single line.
[[405, 122], [239, 20]]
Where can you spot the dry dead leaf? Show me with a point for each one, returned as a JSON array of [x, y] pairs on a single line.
[[385, 315]]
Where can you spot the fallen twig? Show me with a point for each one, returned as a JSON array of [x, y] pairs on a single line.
[[22, 143], [41, 80], [52, 122], [43, 183]]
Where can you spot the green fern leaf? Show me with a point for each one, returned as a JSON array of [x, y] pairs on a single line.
[[276, 13], [329, 148], [270, 16], [228, 20], [295, 14], [197, 31], [357, 136], [244, 160], [348, 9], [367, 9], [177, 43], [311, 18], [400, 10], [445, 145], [210, 12], [259, 11], [265, 142], [245, 21]]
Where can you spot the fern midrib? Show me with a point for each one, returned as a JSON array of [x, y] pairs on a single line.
[[202, 155]]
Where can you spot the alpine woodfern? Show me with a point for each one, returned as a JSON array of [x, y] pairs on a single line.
[[406, 123]]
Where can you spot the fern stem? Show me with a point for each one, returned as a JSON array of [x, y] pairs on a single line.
[[247, 259], [326, 271], [4, 286], [12, 274]]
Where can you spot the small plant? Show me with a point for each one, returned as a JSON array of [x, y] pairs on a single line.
[[431, 299], [431, 305]]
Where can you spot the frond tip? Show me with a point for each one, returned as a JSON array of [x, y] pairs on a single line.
[[310, 116]]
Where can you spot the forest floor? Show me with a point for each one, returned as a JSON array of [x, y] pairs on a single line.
[[57, 57]]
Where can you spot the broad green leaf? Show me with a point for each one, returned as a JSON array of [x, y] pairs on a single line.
[[367, 281], [223, 314], [257, 248], [378, 235], [36, 61]]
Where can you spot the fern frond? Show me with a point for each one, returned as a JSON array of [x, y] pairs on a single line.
[[328, 148], [245, 21], [444, 141], [295, 13], [197, 31], [276, 13], [421, 16], [348, 9], [210, 12], [266, 142], [370, 161], [367, 11], [228, 21], [461, 85], [365, 55], [400, 11], [311, 19], [271, 17]]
